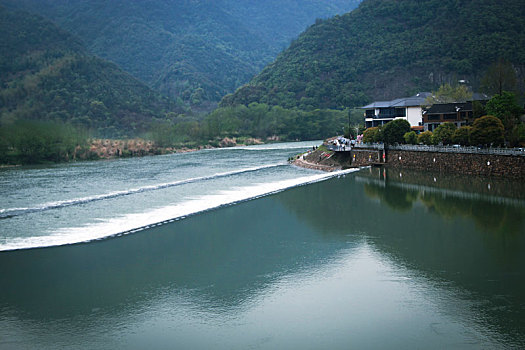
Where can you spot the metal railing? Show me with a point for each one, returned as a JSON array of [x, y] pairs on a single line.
[[338, 148], [425, 148], [460, 149], [378, 146], [346, 148]]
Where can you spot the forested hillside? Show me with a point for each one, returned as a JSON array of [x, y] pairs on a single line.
[[195, 50], [386, 49], [46, 75]]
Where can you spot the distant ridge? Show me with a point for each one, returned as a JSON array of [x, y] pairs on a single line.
[[193, 50], [46, 74], [386, 49]]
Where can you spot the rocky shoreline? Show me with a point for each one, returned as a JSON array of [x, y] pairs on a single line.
[[322, 159]]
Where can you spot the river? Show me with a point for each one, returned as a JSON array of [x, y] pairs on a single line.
[[237, 249]]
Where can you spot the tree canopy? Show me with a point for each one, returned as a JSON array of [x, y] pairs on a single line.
[[444, 134], [394, 131], [386, 49], [449, 94], [487, 130], [500, 76], [47, 75], [462, 136], [195, 51]]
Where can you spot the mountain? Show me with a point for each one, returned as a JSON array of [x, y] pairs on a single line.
[[195, 50], [47, 74], [386, 49]]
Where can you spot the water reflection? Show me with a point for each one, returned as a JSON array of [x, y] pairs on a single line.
[[221, 257], [502, 212], [366, 260], [459, 236]]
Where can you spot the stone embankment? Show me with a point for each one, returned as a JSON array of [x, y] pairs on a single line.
[[510, 165]]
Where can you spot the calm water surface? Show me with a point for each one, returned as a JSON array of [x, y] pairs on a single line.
[[362, 260]]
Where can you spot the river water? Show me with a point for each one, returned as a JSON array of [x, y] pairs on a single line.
[[236, 249]]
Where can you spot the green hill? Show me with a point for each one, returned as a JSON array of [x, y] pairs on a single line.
[[195, 50], [386, 49], [47, 75]]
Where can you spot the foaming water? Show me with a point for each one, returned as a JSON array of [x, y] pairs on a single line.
[[11, 212], [134, 222]]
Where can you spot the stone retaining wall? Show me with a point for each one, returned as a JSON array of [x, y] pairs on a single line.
[[460, 163], [364, 157]]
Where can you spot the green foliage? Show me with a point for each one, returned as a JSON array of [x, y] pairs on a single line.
[[410, 138], [520, 132], [462, 136], [394, 131], [48, 76], [517, 135], [386, 49], [500, 76], [487, 130], [449, 94], [478, 109], [504, 107], [443, 134], [372, 135], [197, 51], [254, 121], [29, 142], [263, 121], [425, 137]]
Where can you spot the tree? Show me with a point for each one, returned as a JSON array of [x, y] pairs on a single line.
[[449, 94], [425, 137], [394, 131], [487, 130], [443, 133], [462, 135], [500, 76], [517, 136], [410, 138], [478, 109], [504, 107], [371, 135]]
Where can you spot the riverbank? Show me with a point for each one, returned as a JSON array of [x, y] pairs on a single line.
[[99, 149], [503, 163], [109, 148], [323, 159]]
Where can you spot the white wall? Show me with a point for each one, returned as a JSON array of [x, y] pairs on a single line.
[[414, 115]]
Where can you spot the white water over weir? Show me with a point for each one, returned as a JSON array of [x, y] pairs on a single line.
[[133, 223], [96, 200], [4, 213]]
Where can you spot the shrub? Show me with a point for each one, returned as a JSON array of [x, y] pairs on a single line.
[[371, 135], [425, 137], [487, 130], [462, 136], [410, 137], [443, 133]]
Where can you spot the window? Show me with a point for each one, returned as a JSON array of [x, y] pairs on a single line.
[[400, 112], [386, 112], [450, 116]]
